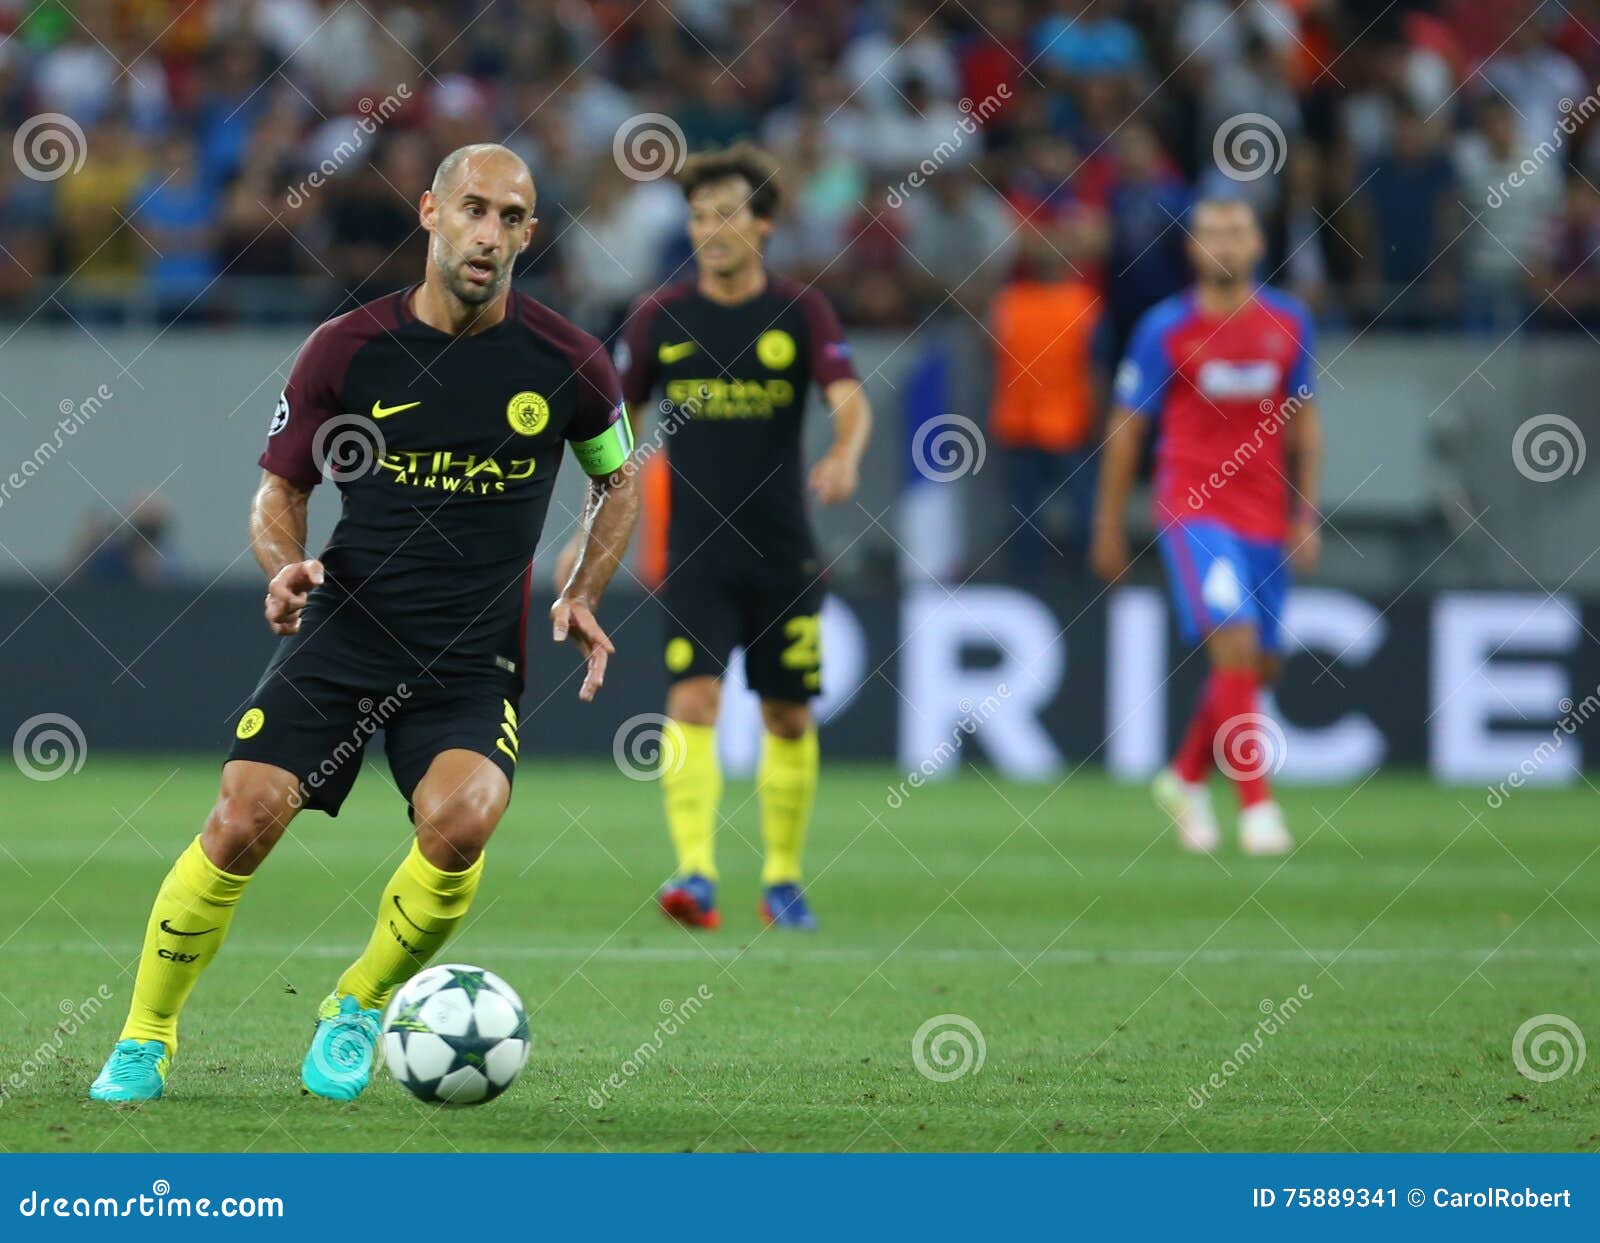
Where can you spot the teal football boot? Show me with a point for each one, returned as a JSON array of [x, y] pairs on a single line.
[[343, 1050], [135, 1071]]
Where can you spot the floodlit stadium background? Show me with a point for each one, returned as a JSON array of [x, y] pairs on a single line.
[[187, 188]]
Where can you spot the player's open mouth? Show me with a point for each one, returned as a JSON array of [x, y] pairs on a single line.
[[480, 270]]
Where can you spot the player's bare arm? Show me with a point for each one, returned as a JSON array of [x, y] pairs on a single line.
[[609, 518], [1119, 460], [1305, 474], [836, 475], [278, 539]]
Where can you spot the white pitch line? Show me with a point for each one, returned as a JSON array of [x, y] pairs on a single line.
[[831, 954]]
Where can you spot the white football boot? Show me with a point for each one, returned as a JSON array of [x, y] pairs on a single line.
[[1262, 831], [1189, 805]]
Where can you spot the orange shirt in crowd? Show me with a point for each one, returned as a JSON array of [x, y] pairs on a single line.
[[1044, 368]]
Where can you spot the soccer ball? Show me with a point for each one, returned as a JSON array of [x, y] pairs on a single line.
[[455, 1035]]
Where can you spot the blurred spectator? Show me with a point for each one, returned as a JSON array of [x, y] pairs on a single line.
[[177, 218], [963, 235], [1149, 207], [86, 79], [1043, 412], [98, 250], [614, 246], [136, 548], [851, 94], [235, 98], [1572, 273], [375, 241], [918, 127], [823, 187], [1086, 38], [994, 59], [1256, 85], [1410, 195], [27, 209], [1511, 211], [1215, 32], [1052, 185], [1535, 78], [877, 64], [1304, 223]]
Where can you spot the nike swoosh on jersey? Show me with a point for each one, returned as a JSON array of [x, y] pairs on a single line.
[[381, 411], [673, 353]]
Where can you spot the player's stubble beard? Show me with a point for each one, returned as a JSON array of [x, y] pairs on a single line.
[[451, 264]]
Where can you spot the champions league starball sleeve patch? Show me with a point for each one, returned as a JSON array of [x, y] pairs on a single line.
[[606, 452]]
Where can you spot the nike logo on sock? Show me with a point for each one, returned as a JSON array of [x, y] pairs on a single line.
[[179, 932], [409, 920]]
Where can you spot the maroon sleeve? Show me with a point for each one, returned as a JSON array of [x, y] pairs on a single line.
[[829, 351], [635, 355], [599, 392], [308, 401]]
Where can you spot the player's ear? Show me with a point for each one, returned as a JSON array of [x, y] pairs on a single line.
[[428, 210], [527, 233]]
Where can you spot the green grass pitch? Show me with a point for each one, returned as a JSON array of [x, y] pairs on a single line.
[[1108, 975]]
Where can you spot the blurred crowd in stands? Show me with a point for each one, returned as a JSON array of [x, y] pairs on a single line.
[[1437, 165]]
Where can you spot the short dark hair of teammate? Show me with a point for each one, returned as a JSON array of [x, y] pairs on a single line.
[[443, 413], [1225, 373], [751, 164]]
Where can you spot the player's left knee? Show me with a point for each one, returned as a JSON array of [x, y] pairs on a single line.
[[786, 720], [453, 828]]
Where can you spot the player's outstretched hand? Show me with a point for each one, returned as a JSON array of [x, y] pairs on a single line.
[[287, 593], [834, 479], [1108, 554], [573, 618]]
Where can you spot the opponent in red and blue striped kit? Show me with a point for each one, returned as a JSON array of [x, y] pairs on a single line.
[[1225, 373]]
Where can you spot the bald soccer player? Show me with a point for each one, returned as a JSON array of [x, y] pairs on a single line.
[[440, 412]]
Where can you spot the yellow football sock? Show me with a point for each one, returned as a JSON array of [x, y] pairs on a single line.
[[420, 908], [786, 782], [190, 917], [691, 786]]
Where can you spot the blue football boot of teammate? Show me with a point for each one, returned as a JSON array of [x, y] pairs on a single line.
[[690, 900], [135, 1071], [343, 1050], [785, 906]]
